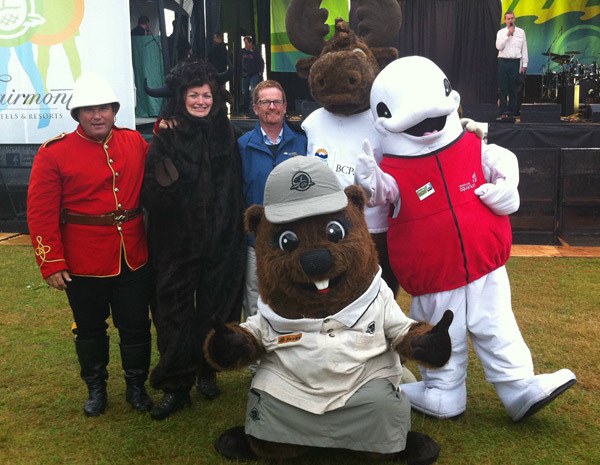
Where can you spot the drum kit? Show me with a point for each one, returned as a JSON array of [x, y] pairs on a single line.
[[566, 70]]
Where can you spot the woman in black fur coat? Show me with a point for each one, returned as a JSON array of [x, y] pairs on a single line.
[[193, 194]]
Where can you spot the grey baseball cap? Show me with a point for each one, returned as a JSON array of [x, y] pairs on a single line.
[[301, 187]]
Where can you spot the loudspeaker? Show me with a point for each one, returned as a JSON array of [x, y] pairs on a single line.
[[588, 91], [533, 88], [480, 112], [568, 97], [540, 113], [592, 112]]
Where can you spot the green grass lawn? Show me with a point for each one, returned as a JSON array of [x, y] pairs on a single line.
[[556, 301]]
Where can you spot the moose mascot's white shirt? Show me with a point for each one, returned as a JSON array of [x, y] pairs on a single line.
[[336, 139], [449, 237]]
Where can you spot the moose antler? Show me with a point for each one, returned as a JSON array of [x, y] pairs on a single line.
[[378, 21], [305, 25]]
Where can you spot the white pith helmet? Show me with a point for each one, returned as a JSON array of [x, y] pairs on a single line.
[[92, 89]]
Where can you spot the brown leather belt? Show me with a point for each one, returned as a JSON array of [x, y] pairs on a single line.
[[113, 218]]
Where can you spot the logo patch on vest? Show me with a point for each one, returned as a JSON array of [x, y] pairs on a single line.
[[469, 185], [425, 191], [289, 338]]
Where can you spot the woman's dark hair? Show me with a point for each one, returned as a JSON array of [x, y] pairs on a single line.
[[192, 72]]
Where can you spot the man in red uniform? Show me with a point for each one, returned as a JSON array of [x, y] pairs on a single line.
[[86, 226]]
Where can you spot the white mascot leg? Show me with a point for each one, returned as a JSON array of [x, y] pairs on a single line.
[[442, 393], [482, 309], [504, 355]]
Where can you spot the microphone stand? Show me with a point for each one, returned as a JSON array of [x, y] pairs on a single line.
[[548, 65]]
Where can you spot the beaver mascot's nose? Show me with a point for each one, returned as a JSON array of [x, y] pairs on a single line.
[[315, 262]]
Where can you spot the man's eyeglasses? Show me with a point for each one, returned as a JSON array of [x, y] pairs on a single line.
[[267, 103]]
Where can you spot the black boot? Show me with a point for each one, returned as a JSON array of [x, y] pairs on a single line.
[[207, 385], [420, 450], [171, 403], [136, 364], [93, 359]]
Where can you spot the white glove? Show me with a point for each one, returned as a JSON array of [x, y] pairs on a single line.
[[501, 170], [472, 126], [499, 197], [499, 162], [380, 187]]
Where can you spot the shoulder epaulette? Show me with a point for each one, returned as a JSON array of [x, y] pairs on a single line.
[[59, 137], [123, 128]]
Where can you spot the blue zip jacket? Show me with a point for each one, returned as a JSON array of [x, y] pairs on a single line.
[[258, 161]]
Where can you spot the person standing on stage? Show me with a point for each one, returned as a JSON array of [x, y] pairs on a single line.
[[218, 55], [87, 229], [252, 68], [511, 43], [143, 27]]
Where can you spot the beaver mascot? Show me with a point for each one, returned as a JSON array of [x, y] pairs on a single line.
[[328, 332]]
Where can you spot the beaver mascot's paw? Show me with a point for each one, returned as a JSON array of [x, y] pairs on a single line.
[[229, 346], [427, 345]]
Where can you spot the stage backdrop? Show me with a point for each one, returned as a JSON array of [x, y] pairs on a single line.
[[458, 35], [558, 26], [45, 45], [283, 54]]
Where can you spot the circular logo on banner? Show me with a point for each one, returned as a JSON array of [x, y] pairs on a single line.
[[18, 18]]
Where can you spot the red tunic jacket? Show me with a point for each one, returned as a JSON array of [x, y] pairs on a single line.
[[87, 177], [444, 237]]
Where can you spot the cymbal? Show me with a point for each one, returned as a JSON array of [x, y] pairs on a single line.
[[573, 52], [561, 59], [550, 54]]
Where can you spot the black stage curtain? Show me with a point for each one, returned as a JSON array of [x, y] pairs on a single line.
[[459, 36], [532, 135]]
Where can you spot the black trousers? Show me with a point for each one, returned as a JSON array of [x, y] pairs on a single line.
[[125, 296], [508, 80], [190, 290]]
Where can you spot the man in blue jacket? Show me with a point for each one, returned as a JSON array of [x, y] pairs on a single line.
[[268, 144]]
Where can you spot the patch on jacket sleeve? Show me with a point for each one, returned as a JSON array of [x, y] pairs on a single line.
[[41, 250]]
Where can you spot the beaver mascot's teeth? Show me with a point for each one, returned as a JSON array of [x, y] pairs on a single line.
[[322, 285]]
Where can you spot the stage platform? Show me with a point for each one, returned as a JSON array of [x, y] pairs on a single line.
[[559, 179]]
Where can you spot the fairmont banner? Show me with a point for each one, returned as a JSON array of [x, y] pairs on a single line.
[[45, 45]]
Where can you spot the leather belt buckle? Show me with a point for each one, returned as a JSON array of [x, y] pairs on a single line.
[[119, 216]]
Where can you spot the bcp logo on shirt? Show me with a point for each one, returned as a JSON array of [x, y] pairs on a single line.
[[321, 154]]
